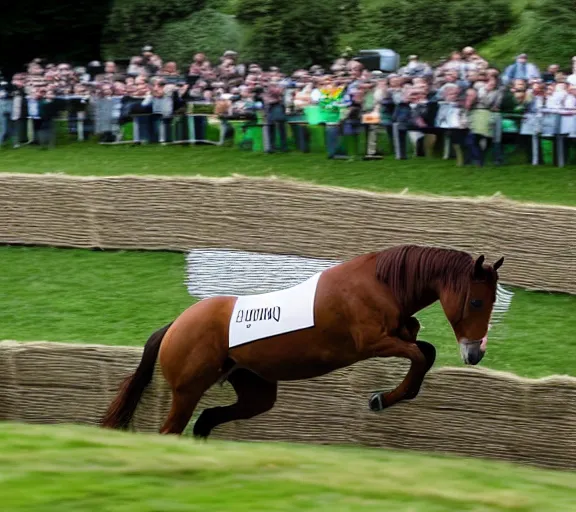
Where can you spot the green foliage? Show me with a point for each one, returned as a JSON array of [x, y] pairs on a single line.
[[208, 31], [223, 6], [290, 33], [545, 30], [133, 23], [252, 10], [553, 36], [428, 29], [349, 14], [501, 49]]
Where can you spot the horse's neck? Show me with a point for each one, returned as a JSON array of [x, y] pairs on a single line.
[[426, 299], [428, 296]]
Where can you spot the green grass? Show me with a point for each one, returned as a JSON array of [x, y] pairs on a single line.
[[75, 295], [89, 296], [544, 184], [56, 468]]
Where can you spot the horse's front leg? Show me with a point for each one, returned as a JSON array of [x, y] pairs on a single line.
[[409, 387], [409, 332], [429, 352], [409, 329]]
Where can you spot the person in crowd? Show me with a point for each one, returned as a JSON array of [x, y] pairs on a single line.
[[568, 124], [137, 66], [571, 79], [473, 60], [170, 69], [110, 74], [452, 117], [161, 101], [275, 117], [521, 69], [5, 110], [19, 115], [407, 120], [44, 128], [415, 103], [451, 78], [550, 74], [415, 68], [456, 64], [107, 112], [483, 104], [349, 124]]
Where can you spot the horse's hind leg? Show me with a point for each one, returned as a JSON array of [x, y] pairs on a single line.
[[255, 396], [183, 404], [185, 398]]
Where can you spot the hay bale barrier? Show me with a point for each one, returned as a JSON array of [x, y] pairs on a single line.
[[466, 411], [285, 217]]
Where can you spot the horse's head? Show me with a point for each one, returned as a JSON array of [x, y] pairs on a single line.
[[470, 309]]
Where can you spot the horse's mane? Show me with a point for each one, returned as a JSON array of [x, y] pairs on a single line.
[[410, 269]]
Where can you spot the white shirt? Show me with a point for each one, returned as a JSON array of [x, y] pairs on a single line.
[[572, 79], [556, 100], [315, 96], [33, 108]]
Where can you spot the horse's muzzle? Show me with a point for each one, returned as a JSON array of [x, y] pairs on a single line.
[[471, 352]]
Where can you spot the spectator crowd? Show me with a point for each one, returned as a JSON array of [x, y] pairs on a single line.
[[463, 98]]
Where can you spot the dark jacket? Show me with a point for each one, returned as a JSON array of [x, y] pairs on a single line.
[[420, 118], [49, 109]]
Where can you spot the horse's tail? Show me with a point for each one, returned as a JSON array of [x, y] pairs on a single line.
[[124, 405]]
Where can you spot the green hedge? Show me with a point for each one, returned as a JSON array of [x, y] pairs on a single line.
[[134, 23], [208, 31], [429, 29], [290, 33], [298, 33], [545, 30]]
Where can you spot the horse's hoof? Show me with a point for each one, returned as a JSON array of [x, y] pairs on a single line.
[[376, 402], [200, 431], [200, 435]]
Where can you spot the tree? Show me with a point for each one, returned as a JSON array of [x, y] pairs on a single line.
[[428, 29], [290, 33], [207, 31], [134, 23]]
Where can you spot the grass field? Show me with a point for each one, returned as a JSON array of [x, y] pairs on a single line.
[[80, 469], [122, 297], [544, 184]]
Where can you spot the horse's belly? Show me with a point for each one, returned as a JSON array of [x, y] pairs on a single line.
[[302, 372], [296, 356]]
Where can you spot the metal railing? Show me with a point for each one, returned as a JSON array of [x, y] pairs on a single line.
[[190, 128]]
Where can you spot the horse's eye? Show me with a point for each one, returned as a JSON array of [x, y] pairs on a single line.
[[476, 303]]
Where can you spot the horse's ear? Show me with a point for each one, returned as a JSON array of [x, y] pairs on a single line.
[[478, 270], [498, 264]]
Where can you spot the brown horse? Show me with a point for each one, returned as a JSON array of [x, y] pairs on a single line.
[[362, 308]]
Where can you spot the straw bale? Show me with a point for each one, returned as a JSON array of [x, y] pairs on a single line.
[[285, 217], [468, 411], [78, 369], [378, 374], [554, 397], [46, 211]]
